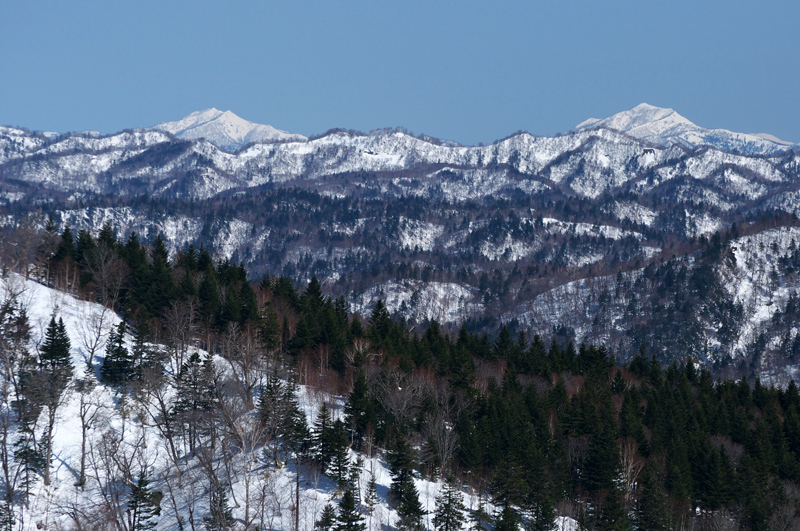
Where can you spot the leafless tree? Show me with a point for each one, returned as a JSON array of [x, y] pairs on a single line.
[[631, 465], [398, 393], [181, 326], [242, 350], [108, 274]]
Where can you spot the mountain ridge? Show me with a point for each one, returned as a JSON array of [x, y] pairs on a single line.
[[665, 127], [225, 130]]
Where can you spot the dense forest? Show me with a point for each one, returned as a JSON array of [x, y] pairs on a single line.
[[539, 427]]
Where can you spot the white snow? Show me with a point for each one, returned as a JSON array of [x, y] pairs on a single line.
[[666, 127], [225, 130]]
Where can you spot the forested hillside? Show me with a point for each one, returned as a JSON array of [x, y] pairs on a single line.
[[202, 398]]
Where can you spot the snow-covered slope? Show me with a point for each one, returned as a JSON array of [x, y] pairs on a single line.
[[225, 130], [123, 441], [666, 127]]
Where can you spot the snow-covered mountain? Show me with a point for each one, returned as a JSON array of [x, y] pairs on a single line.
[[665, 127], [225, 130]]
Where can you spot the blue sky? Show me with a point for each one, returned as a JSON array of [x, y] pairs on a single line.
[[467, 71]]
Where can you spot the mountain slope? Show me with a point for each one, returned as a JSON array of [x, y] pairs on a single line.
[[225, 130], [665, 127]]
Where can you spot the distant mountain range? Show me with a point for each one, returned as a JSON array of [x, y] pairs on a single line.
[[530, 230], [665, 127]]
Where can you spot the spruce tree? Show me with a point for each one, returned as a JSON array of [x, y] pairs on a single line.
[[651, 508], [349, 517], [371, 496], [56, 370], [339, 466], [403, 491], [327, 519], [449, 515], [220, 516], [143, 506], [117, 364]]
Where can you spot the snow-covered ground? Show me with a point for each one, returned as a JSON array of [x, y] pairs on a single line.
[[129, 429]]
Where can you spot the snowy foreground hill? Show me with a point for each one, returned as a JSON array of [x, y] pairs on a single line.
[[124, 442]]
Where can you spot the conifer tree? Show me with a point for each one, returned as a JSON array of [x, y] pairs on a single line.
[[349, 517], [220, 516], [327, 519], [371, 496], [507, 520], [402, 490], [450, 508], [479, 518], [322, 437], [339, 466], [117, 364], [143, 506], [651, 509], [56, 369]]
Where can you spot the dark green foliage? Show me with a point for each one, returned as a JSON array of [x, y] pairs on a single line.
[[402, 491], [54, 356], [144, 505], [651, 508], [327, 519], [349, 517], [360, 410], [117, 365], [450, 508], [220, 516]]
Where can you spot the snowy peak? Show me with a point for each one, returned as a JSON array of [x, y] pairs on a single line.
[[225, 129], [665, 127], [643, 116]]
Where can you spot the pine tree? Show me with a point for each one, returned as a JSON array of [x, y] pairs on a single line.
[[479, 518], [612, 513], [349, 517], [322, 433], [449, 515]]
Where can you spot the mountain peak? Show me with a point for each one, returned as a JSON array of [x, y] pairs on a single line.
[[665, 127], [225, 129]]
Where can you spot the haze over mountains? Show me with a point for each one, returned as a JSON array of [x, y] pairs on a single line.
[[534, 231]]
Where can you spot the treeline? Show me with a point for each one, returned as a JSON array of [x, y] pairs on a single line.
[[537, 429]]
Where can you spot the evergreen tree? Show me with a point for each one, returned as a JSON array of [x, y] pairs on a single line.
[[220, 516], [507, 520], [371, 496], [403, 492], [143, 506], [56, 371], [117, 364], [449, 515], [322, 434], [327, 519], [349, 517], [612, 513], [340, 460], [479, 518], [651, 508]]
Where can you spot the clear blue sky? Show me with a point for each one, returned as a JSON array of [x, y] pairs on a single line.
[[467, 71]]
